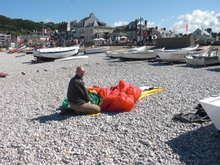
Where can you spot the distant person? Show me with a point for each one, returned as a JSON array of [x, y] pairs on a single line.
[[78, 96]]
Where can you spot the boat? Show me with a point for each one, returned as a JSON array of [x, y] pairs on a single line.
[[57, 52], [180, 56], [119, 54], [142, 55], [203, 59], [182, 49], [212, 107], [96, 50], [176, 50], [17, 49]]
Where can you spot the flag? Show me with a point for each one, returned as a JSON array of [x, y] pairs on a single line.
[[45, 31]]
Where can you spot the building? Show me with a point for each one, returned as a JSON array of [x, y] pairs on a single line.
[[86, 29], [202, 35], [91, 27]]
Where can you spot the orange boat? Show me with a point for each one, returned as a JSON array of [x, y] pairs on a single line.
[[13, 51]]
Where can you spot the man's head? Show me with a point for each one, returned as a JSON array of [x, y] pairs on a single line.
[[80, 71]]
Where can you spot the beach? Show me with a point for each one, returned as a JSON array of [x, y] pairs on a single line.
[[34, 132]]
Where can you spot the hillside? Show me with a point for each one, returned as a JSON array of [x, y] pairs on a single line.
[[17, 27]]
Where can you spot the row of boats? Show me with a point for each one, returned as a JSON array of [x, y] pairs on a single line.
[[192, 55]]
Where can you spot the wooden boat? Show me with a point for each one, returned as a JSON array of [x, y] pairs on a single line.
[[212, 107], [177, 50], [97, 50], [182, 49], [57, 52], [17, 49], [119, 54], [108, 53], [203, 59], [143, 55], [180, 56]]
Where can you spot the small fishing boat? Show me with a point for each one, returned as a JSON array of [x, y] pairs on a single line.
[[17, 49], [119, 54], [182, 49], [176, 50], [143, 55], [212, 107], [96, 50], [57, 52], [180, 56], [203, 59]]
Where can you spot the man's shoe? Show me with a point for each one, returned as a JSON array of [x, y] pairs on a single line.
[[65, 111]]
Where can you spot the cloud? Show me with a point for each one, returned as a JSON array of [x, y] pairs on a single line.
[[48, 20], [198, 19], [166, 20], [120, 23]]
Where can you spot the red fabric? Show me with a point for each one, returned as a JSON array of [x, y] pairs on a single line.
[[120, 98]]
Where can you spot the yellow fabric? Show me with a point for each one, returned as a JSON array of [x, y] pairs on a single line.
[[150, 92], [96, 114]]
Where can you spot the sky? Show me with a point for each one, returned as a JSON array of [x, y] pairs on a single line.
[[173, 15]]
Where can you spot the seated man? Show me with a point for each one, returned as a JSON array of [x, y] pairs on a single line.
[[78, 96]]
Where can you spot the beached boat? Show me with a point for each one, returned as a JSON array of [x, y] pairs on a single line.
[[180, 56], [17, 49], [119, 54], [212, 107], [203, 59], [96, 50], [177, 50], [143, 55], [57, 52], [182, 49]]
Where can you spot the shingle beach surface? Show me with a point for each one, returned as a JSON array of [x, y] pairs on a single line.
[[32, 130]]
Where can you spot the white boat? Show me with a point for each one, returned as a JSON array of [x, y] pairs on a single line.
[[176, 50], [180, 56], [119, 54], [203, 59], [57, 52], [212, 107], [143, 55], [182, 49], [97, 50]]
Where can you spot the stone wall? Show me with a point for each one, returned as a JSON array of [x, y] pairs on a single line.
[[177, 42]]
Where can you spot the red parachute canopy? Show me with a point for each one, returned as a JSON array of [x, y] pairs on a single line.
[[120, 98]]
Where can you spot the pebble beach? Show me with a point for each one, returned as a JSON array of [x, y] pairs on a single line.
[[32, 130]]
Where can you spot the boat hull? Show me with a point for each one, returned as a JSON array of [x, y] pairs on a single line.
[[148, 54], [59, 52], [202, 61], [212, 107], [180, 56], [120, 54]]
